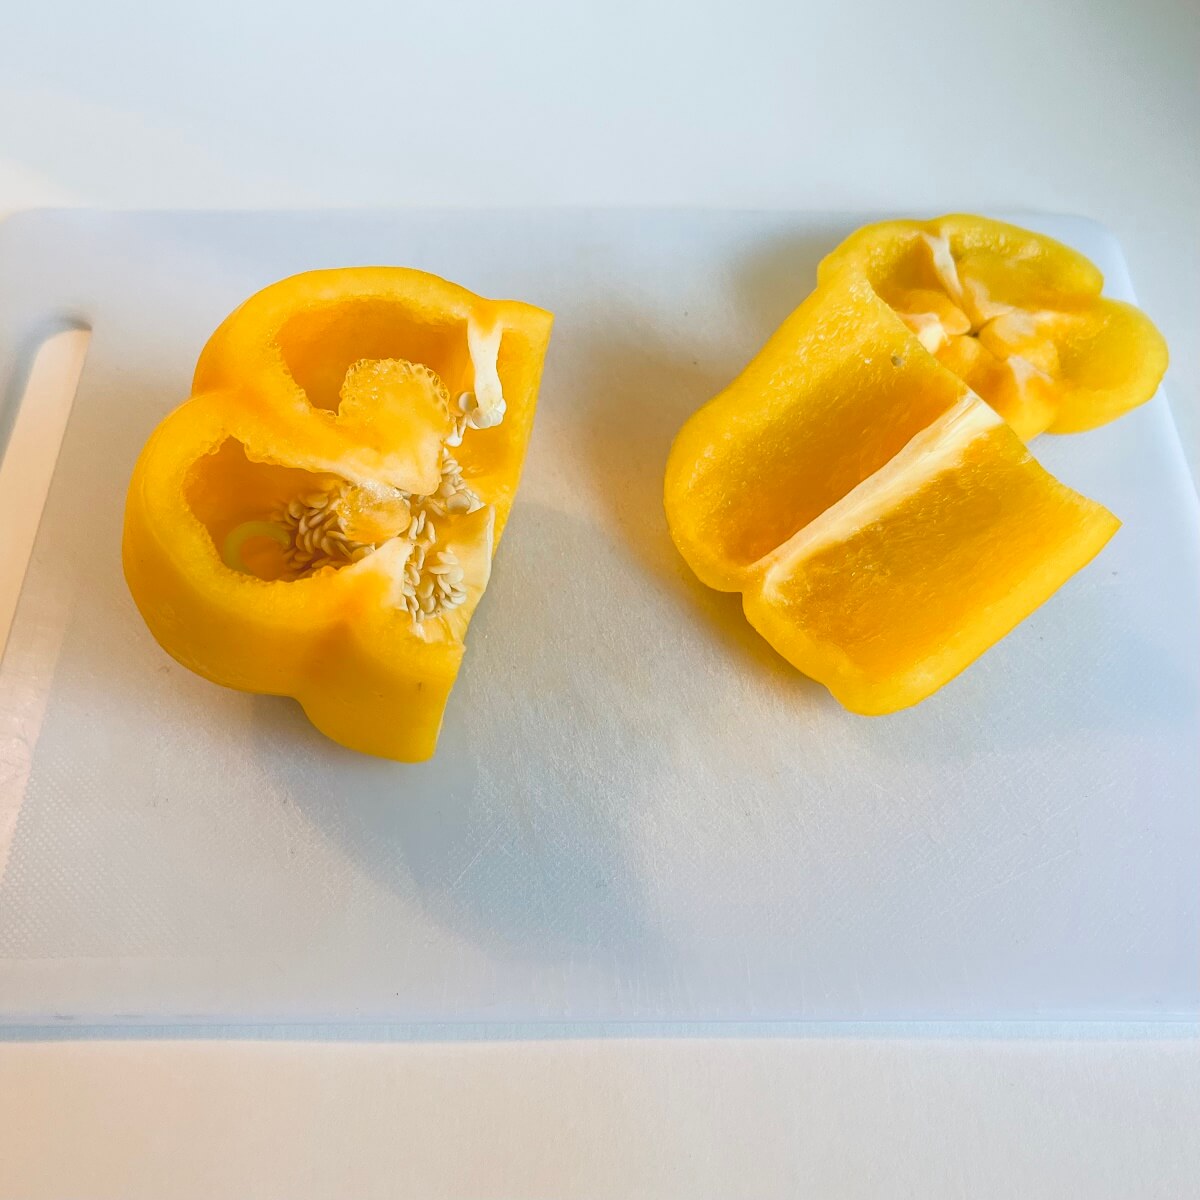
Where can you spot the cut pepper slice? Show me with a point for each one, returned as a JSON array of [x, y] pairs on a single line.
[[319, 519], [895, 589], [884, 525]]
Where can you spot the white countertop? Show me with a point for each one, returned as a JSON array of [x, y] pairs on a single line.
[[835, 1118], [1086, 106]]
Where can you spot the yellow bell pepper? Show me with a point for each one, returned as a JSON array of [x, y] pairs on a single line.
[[884, 525], [318, 519], [1016, 315]]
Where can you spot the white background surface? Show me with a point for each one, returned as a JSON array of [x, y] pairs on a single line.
[[666, 822], [1073, 106]]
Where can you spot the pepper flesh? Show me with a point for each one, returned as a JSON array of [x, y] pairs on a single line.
[[884, 525], [1016, 315], [334, 383]]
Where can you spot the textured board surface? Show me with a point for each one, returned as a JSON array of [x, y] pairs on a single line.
[[637, 810]]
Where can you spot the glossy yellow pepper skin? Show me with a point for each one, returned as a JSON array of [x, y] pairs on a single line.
[[864, 482], [1016, 315], [340, 387]]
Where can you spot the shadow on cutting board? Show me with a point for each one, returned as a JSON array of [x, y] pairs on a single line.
[[524, 872], [633, 390], [634, 398], [509, 836]]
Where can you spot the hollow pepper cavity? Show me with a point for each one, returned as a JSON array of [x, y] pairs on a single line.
[[318, 520]]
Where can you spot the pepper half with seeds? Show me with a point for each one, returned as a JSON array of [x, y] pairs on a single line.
[[319, 519]]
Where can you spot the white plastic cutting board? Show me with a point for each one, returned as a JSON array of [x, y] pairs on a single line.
[[637, 811]]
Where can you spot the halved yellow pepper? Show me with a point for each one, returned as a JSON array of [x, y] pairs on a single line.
[[1016, 315], [318, 520], [884, 525]]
